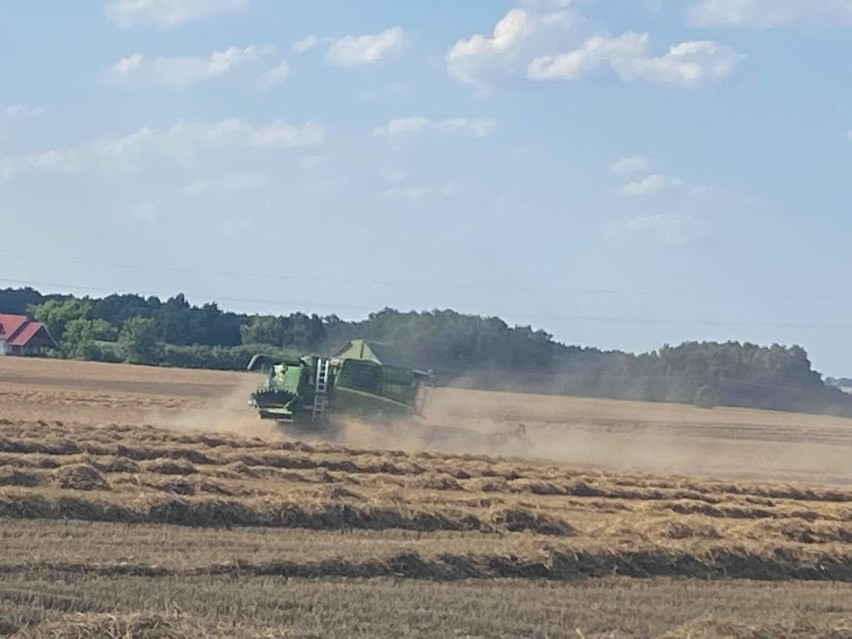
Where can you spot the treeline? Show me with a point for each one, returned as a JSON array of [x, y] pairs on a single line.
[[464, 350]]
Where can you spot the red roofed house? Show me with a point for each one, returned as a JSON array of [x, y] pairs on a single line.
[[21, 336]]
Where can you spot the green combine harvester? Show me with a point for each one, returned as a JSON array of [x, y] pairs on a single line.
[[364, 379]]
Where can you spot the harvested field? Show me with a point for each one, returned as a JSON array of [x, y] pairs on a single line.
[[277, 607], [592, 433], [151, 502]]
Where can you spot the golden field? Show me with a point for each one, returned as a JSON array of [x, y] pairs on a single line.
[[153, 503]]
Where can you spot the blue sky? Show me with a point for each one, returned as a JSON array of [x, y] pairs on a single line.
[[621, 174]]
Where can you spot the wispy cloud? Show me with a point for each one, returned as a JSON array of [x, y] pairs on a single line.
[[418, 193], [673, 229], [643, 180], [631, 165], [400, 127], [167, 13], [51, 160], [22, 111], [305, 44], [229, 184], [184, 144], [687, 207], [365, 49], [179, 72], [651, 184], [60, 160], [766, 14], [276, 75], [191, 136]]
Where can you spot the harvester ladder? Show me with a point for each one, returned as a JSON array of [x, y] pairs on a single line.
[[321, 388]]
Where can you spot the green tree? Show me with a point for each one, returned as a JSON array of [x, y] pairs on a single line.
[[18, 301], [137, 341], [81, 337], [56, 315], [266, 329]]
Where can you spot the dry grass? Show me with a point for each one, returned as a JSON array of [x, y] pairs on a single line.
[[562, 523], [84, 626], [277, 607], [108, 523], [622, 435]]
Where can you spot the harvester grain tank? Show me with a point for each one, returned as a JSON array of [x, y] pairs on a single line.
[[364, 379]]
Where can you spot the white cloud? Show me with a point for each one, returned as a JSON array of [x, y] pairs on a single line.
[[516, 39], [402, 126], [236, 150], [52, 160], [417, 193], [685, 65], [674, 229], [641, 180], [651, 184], [849, 135], [366, 49], [631, 166], [765, 14], [406, 126], [61, 160], [394, 89], [189, 137], [167, 13], [283, 134], [23, 111], [184, 143], [551, 41], [127, 143], [183, 71], [689, 205], [305, 44], [276, 75]]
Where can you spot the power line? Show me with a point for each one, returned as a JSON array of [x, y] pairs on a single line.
[[248, 300], [528, 316], [416, 284]]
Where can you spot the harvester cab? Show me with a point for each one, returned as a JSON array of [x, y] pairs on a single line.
[[363, 379]]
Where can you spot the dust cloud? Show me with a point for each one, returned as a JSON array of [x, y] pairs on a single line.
[[584, 433], [230, 413]]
